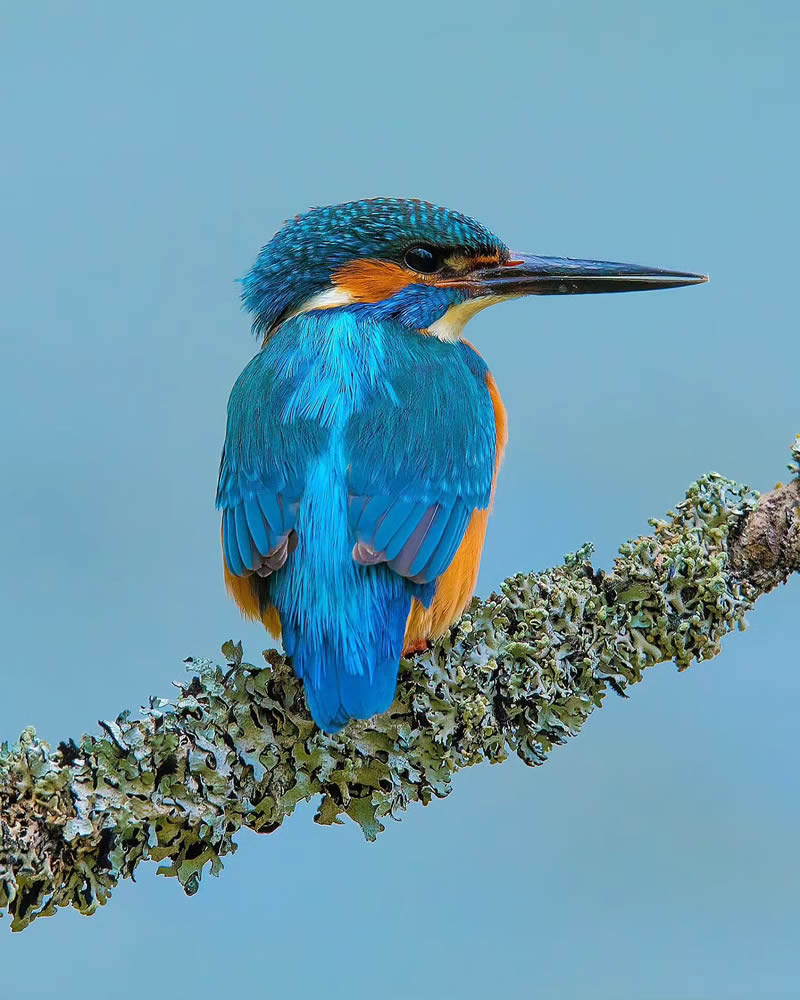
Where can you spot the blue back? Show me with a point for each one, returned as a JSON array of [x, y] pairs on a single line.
[[347, 433]]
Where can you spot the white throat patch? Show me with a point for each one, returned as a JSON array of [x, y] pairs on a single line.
[[448, 327], [451, 325], [328, 298]]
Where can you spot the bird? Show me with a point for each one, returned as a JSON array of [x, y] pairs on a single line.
[[363, 440]]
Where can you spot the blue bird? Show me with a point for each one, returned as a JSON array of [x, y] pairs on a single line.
[[364, 438]]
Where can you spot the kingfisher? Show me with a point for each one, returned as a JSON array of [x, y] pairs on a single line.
[[364, 438]]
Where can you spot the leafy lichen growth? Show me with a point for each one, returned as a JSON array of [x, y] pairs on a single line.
[[794, 465], [519, 673]]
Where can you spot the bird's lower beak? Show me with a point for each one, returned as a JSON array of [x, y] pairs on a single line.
[[525, 274]]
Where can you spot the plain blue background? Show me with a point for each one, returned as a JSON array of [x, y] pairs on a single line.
[[149, 150]]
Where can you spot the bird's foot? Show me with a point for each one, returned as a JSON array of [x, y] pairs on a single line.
[[417, 646]]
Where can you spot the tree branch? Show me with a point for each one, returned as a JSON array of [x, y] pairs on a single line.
[[519, 673]]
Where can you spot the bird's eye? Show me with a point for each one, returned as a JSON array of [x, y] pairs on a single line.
[[426, 260]]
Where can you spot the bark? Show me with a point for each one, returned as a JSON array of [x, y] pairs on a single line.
[[519, 673]]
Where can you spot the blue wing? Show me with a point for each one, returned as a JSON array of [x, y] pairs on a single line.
[[263, 467], [421, 459]]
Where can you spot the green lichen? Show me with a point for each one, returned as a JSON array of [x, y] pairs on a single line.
[[794, 465], [519, 673]]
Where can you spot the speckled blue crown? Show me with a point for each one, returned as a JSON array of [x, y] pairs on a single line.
[[300, 259]]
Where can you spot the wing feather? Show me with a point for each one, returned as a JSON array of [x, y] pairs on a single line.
[[260, 529], [422, 460], [263, 468]]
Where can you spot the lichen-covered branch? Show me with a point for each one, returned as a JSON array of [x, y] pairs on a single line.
[[519, 673]]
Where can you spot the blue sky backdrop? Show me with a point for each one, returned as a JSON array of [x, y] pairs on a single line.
[[149, 150]]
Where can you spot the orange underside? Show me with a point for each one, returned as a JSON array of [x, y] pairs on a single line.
[[454, 589], [241, 591]]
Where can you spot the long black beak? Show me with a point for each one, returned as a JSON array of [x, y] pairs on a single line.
[[525, 274]]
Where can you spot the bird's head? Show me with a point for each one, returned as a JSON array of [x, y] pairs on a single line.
[[427, 267]]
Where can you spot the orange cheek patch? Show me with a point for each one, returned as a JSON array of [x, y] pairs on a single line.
[[372, 280]]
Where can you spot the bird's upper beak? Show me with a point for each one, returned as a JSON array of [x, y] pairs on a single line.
[[525, 274]]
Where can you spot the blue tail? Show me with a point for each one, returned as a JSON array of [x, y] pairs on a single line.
[[343, 624], [352, 675]]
